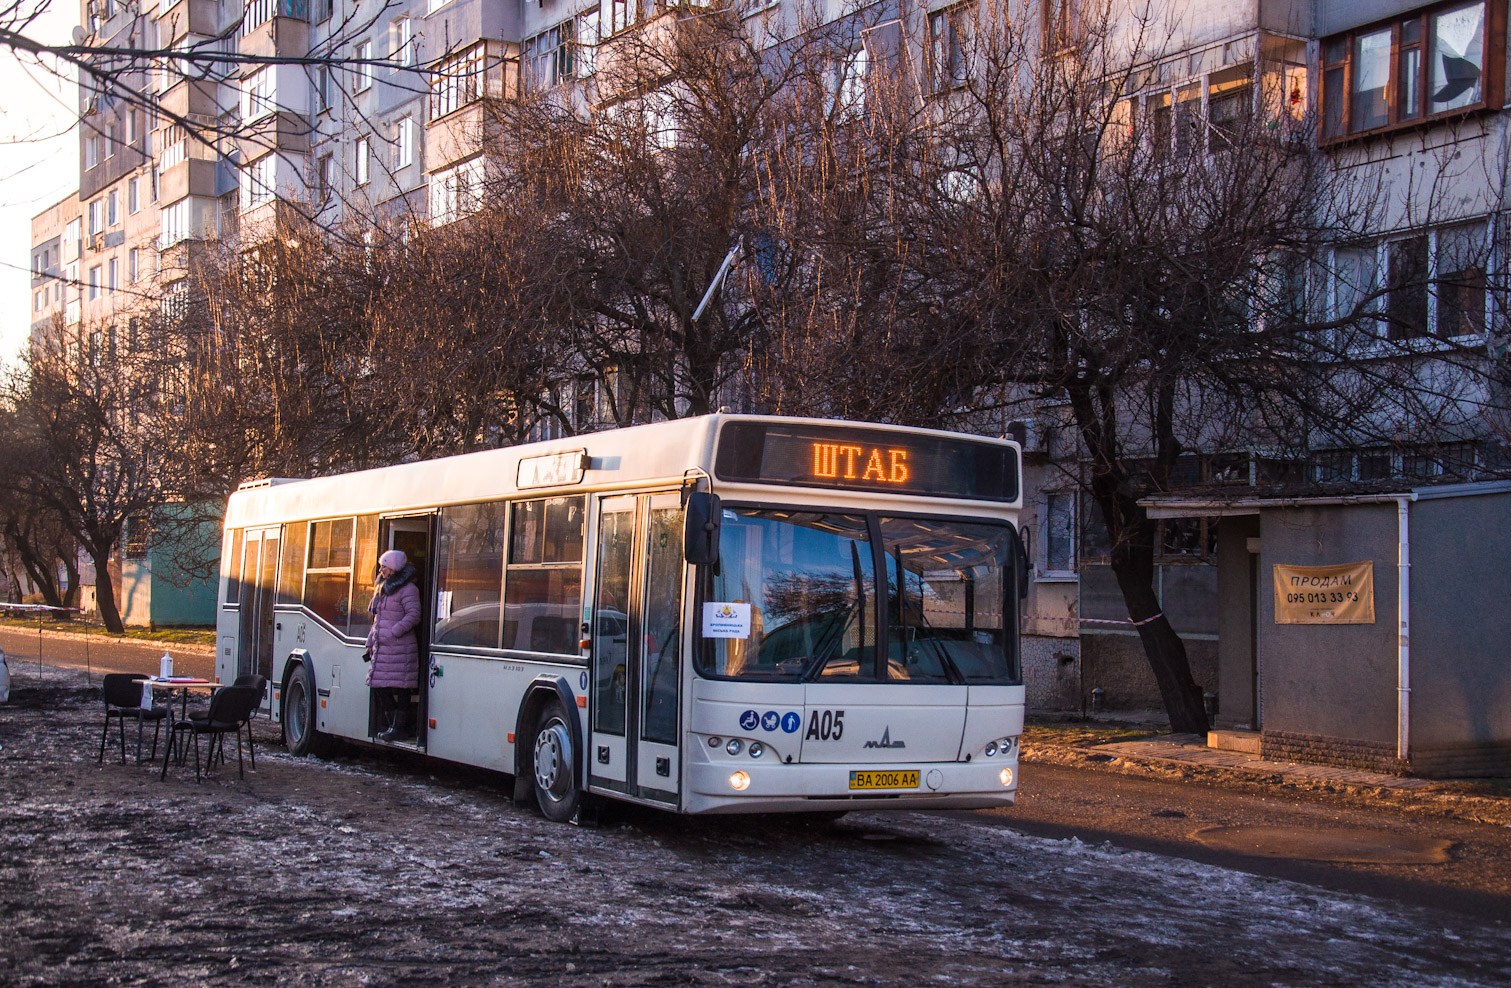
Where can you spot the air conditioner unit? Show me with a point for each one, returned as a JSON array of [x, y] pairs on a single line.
[[1028, 433]]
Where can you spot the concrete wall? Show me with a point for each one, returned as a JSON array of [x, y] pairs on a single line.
[[1051, 673], [1336, 681], [1460, 622], [1115, 662]]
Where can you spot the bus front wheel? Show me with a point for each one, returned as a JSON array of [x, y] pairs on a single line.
[[554, 765], [299, 731]]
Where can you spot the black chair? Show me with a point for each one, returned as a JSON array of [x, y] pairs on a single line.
[[123, 699], [230, 709], [256, 682]]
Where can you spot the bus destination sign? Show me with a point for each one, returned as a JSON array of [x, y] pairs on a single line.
[[858, 458]]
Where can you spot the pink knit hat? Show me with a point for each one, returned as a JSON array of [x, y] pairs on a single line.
[[393, 559]]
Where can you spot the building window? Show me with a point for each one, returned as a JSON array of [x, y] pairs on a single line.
[[1459, 279], [112, 210], [456, 82], [548, 57], [258, 97], [1406, 287], [96, 217], [621, 15], [323, 179], [175, 224], [138, 537], [91, 150], [1057, 527], [1059, 24], [404, 139], [113, 278], [1402, 71], [403, 41], [94, 282], [949, 44], [321, 80], [363, 152], [847, 83], [1230, 104], [364, 66], [456, 191], [259, 183], [133, 196], [133, 265]]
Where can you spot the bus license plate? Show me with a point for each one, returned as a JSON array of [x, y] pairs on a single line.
[[884, 780]]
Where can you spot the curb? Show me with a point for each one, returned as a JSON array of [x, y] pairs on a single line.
[[1430, 797]]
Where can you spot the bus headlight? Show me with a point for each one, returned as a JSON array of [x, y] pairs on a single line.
[[757, 749], [739, 781], [991, 748], [1006, 775], [734, 746]]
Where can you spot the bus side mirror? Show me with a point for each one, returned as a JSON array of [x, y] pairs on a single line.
[[701, 536]]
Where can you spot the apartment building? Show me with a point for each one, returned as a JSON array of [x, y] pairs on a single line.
[[341, 109]]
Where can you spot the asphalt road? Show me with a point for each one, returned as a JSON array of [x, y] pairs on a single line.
[[1166, 818]]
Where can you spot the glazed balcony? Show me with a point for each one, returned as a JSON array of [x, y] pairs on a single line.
[[275, 27]]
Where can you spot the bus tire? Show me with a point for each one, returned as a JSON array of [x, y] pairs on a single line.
[[553, 764], [299, 716]]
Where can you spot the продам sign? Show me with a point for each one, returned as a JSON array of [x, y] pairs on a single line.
[[1342, 594]]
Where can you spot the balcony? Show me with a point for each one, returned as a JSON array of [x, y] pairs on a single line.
[[275, 27], [460, 135], [190, 97], [176, 18], [189, 177], [283, 131]]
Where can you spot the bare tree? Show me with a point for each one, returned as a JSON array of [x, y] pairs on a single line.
[[81, 446]]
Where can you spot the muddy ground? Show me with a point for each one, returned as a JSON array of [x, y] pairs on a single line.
[[368, 869]]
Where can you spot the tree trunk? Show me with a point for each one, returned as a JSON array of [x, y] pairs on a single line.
[[1162, 647], [43, 575], [104, 590], [71, 567], [1132, 534]]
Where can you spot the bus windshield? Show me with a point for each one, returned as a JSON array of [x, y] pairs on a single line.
[[809, 579]]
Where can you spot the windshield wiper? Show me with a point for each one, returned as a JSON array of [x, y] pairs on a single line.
[[826, 647]]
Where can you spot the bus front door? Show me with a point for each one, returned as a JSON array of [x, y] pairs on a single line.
[[636, 655], [259, 576]]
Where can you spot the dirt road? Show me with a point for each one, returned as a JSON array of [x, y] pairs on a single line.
[[382, 871]]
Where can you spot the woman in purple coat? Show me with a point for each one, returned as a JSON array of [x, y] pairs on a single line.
[[391, 644]]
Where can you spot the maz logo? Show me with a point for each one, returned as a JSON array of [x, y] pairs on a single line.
[[886, 741]]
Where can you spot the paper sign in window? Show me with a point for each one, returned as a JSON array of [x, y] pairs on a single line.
[[723, 619]]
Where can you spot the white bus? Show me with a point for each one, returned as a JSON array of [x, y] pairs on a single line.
[[722, 614]]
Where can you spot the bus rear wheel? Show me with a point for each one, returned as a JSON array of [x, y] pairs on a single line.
[[553, 765], [299, 732]]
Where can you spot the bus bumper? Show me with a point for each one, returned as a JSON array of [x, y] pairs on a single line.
[[780, 787]]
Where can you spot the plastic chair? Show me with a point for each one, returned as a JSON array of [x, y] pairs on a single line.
[[256, 682], [123, 699], [230, 709]]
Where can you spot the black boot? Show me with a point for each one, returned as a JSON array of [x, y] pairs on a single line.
[[390, 732]]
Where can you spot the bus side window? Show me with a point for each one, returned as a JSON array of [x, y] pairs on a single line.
[[233, 563], [543, 579], [327, 578], [291, 573], [364, 571], [470, 569]]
